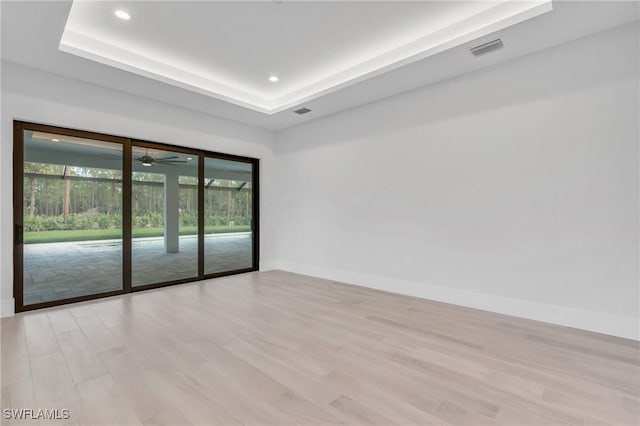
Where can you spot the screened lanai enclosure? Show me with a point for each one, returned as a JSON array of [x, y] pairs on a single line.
[[104, 215]]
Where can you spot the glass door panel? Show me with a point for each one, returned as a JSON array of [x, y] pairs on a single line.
[[72, 217], [164, 216], [228, 215]]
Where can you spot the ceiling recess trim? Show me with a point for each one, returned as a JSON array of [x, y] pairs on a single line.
[[501, 16]]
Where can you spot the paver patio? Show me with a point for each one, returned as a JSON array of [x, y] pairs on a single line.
[[62, 270]]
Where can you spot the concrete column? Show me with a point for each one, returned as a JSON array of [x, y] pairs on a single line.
[[171, 213]]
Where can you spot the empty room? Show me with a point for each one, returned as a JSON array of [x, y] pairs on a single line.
[[289, 212]]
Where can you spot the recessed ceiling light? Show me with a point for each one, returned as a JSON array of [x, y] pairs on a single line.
[[273, 78], [189, 158], [55, 140], [122, 15]]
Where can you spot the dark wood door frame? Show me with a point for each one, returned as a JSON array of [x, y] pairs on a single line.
[[127, 167]]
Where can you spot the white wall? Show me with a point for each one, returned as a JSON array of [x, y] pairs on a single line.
[[31, 95], [513, 189]]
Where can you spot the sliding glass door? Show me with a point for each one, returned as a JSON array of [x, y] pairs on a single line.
[[71, 217], [164, 215], [228, 210], [99, 215]]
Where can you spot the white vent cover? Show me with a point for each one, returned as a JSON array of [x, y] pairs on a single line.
[[487, 47]]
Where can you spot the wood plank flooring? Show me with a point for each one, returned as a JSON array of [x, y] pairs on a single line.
[[275, 348]]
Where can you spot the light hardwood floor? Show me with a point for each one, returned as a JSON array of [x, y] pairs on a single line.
[[277, 348]]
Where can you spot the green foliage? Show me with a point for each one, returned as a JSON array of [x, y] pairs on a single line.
[[156, 220], [52, 223], [241, 220], [73, 223], [213, 219], [153, 220], [189, 218], [34, 237], [33, 224], [105, 221], [114, 221], [141, 221], [97, 205], [78, 222]]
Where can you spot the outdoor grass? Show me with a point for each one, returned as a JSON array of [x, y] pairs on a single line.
[[108, 234]]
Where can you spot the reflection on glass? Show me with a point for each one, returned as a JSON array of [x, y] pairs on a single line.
[[164, 216], [72, 217], [228, 217]]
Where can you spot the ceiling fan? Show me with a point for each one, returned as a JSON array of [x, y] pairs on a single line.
[[148, 161]]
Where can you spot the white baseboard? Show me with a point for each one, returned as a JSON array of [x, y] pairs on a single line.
[[7, 307], [615, 325], [268, 265]]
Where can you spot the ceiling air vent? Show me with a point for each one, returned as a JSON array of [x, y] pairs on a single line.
[[302, 111], [487, 47]]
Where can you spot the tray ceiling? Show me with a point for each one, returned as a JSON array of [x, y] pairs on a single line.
[[300, 50], [232, 50]]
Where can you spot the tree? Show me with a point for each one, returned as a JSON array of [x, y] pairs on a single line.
[[229, 200], [66, 203], [32, 190]]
